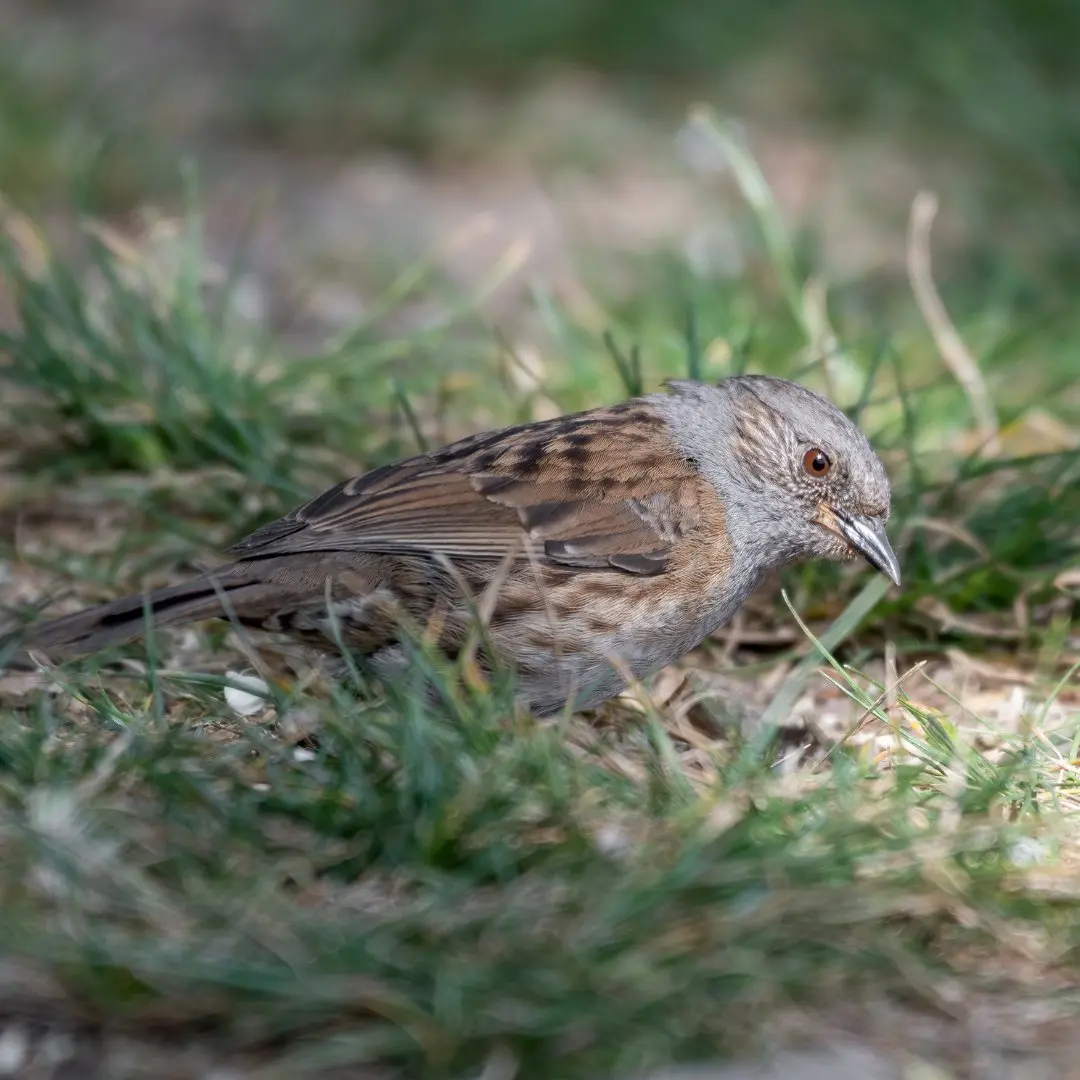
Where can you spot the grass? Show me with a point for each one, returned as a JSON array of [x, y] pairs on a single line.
[[64, 130], [354, 882]]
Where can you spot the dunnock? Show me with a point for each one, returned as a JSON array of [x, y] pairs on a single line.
[[606, 543]]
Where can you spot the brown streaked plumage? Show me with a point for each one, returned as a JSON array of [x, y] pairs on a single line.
[[594, 545]]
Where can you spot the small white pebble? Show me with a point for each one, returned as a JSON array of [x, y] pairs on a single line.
[[248, 696], [303, 754], [612, 840], [14, 1046], [1028, 851]]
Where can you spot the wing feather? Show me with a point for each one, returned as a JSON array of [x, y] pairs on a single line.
[[565, 491]]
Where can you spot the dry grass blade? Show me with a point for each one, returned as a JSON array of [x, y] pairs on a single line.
[[781, 705], [884, 698], [951, 346]]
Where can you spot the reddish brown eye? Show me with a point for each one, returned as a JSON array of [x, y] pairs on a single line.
[[816, 462]]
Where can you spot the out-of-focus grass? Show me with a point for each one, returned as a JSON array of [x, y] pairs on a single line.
[[992, 90], [428, 889], [1003, 82], [66, 132]]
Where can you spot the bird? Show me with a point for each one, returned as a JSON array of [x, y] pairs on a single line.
[[594, 548]]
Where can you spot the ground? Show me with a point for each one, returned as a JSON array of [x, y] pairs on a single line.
[[845, 826]]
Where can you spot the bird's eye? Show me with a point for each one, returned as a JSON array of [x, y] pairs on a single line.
[[816, 463]]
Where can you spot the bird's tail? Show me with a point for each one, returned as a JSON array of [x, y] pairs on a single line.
[[206, 597]]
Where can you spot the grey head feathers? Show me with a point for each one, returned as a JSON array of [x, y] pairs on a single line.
[[757, 440]]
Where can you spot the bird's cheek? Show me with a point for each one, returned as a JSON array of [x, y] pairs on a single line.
[[831, 546]]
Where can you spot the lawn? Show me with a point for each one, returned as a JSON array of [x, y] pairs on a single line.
[[853, 811]]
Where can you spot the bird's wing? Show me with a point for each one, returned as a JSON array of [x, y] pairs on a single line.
[[603, 489]]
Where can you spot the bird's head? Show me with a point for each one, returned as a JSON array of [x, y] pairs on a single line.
[[797, 478]]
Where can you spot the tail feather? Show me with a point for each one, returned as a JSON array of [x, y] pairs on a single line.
[[84, 632]]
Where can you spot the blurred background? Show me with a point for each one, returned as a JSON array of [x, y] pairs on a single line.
[[372, 131]]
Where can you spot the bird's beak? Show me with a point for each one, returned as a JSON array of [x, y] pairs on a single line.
[[866, 535]]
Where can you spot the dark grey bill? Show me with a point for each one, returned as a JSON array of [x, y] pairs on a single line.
[[867, 536]]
